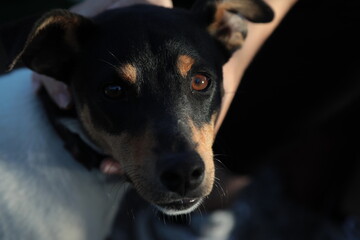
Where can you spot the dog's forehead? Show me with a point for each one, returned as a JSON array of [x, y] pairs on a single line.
[[145, 42], [135, 31], [145, 18], [153, 50]]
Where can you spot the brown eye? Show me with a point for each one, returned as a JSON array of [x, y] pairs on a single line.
[[113, 91], [199, 82]]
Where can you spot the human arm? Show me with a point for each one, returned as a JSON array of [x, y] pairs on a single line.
[[236, 67]]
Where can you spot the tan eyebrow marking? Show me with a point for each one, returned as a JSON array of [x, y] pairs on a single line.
[[184, 64], [128, 72]]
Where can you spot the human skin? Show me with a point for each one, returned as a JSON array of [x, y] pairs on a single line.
[[235, 68]]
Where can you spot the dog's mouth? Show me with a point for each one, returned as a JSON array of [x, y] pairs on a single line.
[[179, 207]]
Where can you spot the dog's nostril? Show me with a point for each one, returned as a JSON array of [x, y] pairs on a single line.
[[172, 181], [197, 173], [183, 177], [170, 178], [196, 177]]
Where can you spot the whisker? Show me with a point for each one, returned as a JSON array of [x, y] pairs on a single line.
[[199, 209], [202, 205], [220, 155], [110, 64], [218, 185], [222, 165], [112, 54], [164, 220]]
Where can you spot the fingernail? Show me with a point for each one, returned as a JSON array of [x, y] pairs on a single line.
[[63, 100], [110, 166]]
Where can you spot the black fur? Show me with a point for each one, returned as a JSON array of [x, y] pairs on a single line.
[[160, 91], [159, 98]]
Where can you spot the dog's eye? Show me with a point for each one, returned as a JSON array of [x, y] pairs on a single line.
[[200, 82], [113, 91]]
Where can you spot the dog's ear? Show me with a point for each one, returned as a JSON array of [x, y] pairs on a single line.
[[225, 19], [55, 43]]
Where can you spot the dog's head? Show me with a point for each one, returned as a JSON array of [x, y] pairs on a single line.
[[147, 86]]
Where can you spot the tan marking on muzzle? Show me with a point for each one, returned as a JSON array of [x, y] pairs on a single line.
[[204, 137], [128, 72], [123, 147], [133, 152], [184, 64], [98, 136]]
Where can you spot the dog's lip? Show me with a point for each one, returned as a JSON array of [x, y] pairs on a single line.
[[180, 204], [179, 207]]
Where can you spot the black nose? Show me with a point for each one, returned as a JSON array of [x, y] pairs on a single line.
[[182, 174]]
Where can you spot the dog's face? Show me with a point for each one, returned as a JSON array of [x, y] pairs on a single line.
[[153, 100], [147, 86]]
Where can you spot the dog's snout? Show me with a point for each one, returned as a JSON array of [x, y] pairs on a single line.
[[182, 175]]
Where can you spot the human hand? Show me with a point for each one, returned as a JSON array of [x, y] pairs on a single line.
[[240, 60], [57, 90], [91, 8]]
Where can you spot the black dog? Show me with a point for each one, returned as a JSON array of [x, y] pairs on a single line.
[[147, 87]]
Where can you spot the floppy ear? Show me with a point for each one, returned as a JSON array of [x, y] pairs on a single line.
[[225, 19], [55, 43]]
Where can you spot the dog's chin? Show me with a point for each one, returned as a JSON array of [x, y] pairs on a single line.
[[179, 207]]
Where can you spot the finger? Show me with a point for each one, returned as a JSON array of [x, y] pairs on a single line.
[[162, 3], [125, 3], [90, 8], [58, 91], [110, 166]]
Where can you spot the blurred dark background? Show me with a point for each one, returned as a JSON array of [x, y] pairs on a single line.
[[11, 10]]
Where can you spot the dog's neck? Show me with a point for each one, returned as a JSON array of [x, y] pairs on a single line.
[[69, 129]]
